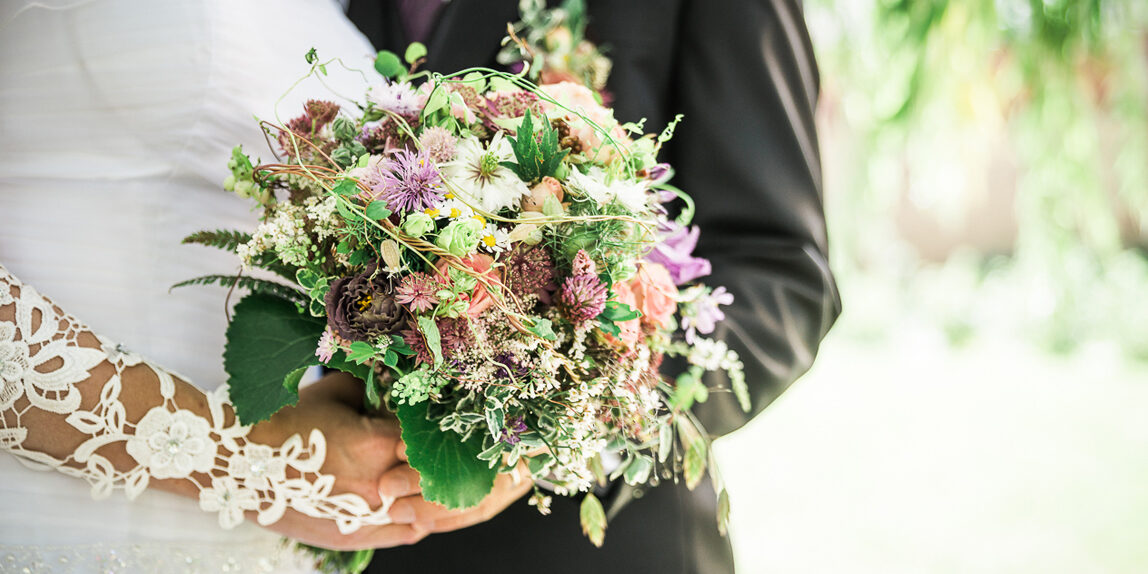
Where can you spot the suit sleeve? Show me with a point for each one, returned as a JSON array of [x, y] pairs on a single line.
[[747, 152]]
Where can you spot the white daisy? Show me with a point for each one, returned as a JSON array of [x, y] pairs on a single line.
[[494, 239], [478, 174]]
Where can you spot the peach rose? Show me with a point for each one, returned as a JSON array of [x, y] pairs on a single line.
[[655, 293], [539, 193], [630, 330], [580, 98], [480, 298]]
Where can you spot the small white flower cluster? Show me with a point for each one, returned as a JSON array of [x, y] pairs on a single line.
[[286, 233], [711, 355]]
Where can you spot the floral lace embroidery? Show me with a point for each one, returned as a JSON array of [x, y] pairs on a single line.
[[43, 363]]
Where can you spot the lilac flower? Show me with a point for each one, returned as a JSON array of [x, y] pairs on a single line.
[[705, 313], [674, 251], [514, 427], [410, 182]]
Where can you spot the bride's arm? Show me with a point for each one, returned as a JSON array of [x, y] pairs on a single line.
[[80, 404]]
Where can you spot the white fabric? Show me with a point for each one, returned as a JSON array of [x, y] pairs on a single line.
[[116, 121]]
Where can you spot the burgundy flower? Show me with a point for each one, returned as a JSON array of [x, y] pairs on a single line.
[[362, 308], [530, 272]]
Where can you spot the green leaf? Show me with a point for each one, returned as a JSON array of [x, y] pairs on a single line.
[[339, 361], [451, 473], [593, 520], [694, 466], [268, 343], [620, 312], [307, 279], [388, 64], [437, 100], [639, 470], [378, 210], [415, 51], [346, 187], [261, 286], [543, 328], [225, 239], [361, 352], [431, 335], [372, 390], [311, 56], [723, 512], [665, 442]]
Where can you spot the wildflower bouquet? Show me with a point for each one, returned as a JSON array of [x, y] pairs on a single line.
[[496, 260]]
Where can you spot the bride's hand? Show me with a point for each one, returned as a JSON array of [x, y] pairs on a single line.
[[359, 450], [402, 483]]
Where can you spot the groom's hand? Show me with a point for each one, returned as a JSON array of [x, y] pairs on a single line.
[[402, 483]]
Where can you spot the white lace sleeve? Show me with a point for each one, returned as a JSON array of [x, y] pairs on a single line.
[[60, 408]]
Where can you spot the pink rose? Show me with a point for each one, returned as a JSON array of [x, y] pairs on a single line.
[[630, 330], [655, 293], [480, 298]]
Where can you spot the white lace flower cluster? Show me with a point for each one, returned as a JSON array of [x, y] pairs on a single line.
[[286, 232]]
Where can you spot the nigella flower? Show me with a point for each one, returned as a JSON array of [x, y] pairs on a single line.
[[410, 182], [481, 178], [703, 315], [417, 292], [438, 143]]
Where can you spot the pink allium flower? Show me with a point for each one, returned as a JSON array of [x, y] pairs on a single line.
[[438, 142], [417, 292]]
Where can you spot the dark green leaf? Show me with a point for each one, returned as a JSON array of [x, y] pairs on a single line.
[[262, 286], [340, 362], [451, 473], [311, 56], [268, 341], [378, 210], [388, 64], [593, 520]]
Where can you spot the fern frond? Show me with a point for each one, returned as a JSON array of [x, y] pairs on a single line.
[[253, 284], [225, 239]]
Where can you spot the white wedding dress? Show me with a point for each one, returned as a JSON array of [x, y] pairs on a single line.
[[117, 118]]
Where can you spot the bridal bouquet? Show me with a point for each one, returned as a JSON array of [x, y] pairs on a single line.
[[496, 260]]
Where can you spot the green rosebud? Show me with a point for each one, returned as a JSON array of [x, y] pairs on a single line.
[[460, 237], [417, 224]]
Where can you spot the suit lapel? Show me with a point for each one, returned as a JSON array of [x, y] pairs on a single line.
[[468, 34]]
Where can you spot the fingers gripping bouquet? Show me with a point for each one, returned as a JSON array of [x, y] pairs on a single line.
[[496, 260]]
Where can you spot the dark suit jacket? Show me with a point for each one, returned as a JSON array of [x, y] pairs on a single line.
[[744, 75]]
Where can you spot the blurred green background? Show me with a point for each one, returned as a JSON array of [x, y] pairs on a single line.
[[981, 404]]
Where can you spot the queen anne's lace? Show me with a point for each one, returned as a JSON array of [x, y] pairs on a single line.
[[47, 364]]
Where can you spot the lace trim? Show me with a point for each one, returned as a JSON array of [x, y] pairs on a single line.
[[152, 558], [43, 366]]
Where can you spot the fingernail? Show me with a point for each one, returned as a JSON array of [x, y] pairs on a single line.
[[402, 513], [394, 486]]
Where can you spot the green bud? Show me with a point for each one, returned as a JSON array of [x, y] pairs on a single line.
[[460, 237], [247, 188], [344, 129], [418, 224], [561, 172], [229, 183], [342, 156]]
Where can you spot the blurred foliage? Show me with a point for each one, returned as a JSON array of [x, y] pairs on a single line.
[[931, 94]]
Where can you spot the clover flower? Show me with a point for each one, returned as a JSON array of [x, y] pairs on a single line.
[[583, 295]]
